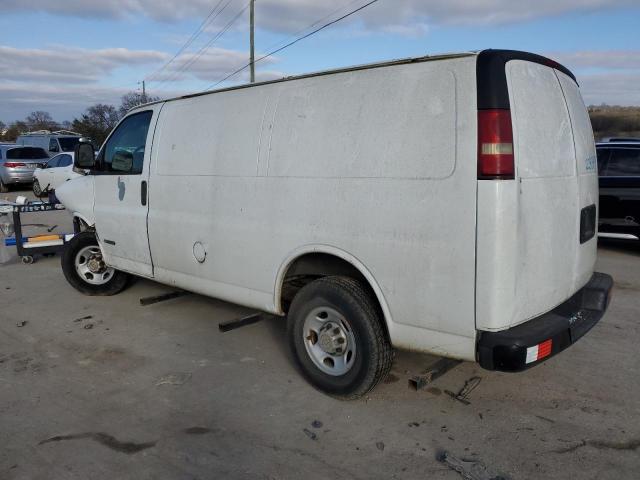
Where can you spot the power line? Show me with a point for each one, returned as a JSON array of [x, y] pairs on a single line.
[[326, 25], [205, 47], [207, 21], [295, 34]]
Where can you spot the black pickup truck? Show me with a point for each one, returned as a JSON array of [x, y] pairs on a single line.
[[619, 172]]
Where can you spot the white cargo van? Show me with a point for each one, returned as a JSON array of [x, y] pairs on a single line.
[[53, 142], [443, 204]]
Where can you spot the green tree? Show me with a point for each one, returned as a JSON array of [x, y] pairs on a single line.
[[14, 131], [96, 122], [3, 127]]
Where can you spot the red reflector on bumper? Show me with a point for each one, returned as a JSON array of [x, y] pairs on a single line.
[[540, 351]]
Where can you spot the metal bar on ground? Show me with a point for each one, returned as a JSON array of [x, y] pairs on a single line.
[[241, 322], [437, 370], [161, 298]]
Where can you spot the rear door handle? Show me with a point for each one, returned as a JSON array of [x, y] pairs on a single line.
[[143, 193]]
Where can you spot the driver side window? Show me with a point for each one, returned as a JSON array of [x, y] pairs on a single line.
[[124, 152]]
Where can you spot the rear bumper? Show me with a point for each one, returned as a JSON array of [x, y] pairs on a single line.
[[619, 230], [23, 176], [535, 341]]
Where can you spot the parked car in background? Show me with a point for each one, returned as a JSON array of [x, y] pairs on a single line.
[[17, 164], [50, 176], [53, 142], [619, 172]]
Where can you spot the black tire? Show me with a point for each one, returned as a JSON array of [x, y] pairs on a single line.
[[4, 188], [37, 191], [114, 285], [374, 354]]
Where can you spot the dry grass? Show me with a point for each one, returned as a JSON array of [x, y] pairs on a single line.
[[614, 121]]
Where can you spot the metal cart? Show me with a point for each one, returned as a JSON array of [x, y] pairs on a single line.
[[27, 250]]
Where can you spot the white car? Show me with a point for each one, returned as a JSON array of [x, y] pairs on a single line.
[[57, 171]]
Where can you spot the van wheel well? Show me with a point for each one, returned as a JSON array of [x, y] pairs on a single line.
[[310, 267], [81, 226]]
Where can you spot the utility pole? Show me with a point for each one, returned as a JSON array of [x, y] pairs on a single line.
[[144, 93], [252, 52]]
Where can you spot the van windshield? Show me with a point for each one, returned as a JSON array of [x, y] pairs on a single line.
[[68, 144]]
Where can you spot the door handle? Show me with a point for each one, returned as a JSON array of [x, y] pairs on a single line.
[[143, 193]]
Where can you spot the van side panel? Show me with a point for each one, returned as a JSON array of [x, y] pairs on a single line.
[[377, 163]]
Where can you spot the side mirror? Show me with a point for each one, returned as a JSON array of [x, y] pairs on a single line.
[[84, 156]]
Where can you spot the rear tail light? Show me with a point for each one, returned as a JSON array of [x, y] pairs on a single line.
[[14, 164], [495, 145]]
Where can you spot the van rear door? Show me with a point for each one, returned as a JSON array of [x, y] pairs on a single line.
[[546, 214]]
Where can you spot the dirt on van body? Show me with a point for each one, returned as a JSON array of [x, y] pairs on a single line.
[[80, 403]]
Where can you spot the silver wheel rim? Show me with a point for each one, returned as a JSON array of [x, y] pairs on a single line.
[[329, 341], [36, 188], [91, 267]]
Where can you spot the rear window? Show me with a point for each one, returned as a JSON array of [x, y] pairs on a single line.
[[68, 144], [26, 153], [623, 162]]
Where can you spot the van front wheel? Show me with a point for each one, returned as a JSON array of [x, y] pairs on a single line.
[[84, 267], [336, 336]]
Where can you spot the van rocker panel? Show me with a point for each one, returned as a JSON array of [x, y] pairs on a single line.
[[507, 350]]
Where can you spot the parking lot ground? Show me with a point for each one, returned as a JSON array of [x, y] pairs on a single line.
[[104, 388]]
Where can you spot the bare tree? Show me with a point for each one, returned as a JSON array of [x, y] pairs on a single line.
[[40, 120], [133, 99]]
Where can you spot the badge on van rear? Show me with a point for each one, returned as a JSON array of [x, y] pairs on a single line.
[[590, 164]]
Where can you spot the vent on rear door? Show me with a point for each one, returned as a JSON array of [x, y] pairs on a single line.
[[587, 223]]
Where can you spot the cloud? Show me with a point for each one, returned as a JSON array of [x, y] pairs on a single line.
[[610, 88], [605, 59], [64, 102], [605, 76], [65, 81], [70, 65], [286, 16], [210, 66]]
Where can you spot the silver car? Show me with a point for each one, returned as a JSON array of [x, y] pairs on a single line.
[[17, 164]]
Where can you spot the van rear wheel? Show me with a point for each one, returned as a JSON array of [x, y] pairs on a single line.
[[84, 267], [336, 336]]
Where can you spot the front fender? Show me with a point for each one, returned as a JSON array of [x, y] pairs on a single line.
[[77, 196]]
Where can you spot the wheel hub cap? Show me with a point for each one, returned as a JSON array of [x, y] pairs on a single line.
[[329, 341], [91, 266], [95, 264], [332, 339]]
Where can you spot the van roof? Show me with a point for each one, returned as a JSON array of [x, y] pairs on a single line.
[[492, 58], [47, 133], [366, 66]]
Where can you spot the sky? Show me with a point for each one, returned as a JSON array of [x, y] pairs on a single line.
[[63, 56]]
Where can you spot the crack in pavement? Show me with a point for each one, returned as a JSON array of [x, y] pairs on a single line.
[[632, 444], [104, 439]]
